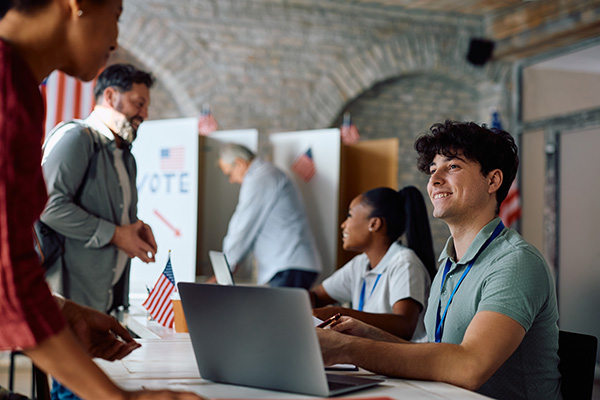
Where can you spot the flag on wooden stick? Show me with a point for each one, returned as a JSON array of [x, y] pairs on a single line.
[[159, 303], [206, 122], [348, 130]]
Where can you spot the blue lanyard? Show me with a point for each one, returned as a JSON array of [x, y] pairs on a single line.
[[361, 301], [439, 323]]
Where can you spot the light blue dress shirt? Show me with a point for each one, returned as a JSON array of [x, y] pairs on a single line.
[[270, 220]]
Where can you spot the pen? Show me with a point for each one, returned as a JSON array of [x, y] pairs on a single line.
[[329, 320]]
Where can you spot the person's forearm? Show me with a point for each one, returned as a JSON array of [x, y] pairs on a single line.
[[63, 358], [397, 325], [423, 361], [69, 219]]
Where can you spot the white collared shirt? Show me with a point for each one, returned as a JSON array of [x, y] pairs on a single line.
[[403, 276]]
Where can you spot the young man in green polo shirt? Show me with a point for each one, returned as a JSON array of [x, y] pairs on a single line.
[[492, 316]]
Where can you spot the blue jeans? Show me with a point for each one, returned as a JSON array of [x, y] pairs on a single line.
[[294, 278], [60, 392]]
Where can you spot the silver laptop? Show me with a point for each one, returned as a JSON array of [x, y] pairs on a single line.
[[260, 336], [220, 268]]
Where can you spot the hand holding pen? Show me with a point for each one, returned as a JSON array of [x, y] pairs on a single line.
[[330, 320]]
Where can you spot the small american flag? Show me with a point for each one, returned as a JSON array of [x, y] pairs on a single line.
[[304, 166], [510, 209], [348, 131], [159, 303], [172, 158], [66, 98], [206, 123]]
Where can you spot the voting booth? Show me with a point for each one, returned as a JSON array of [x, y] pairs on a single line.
[[188, 201], [341, 173], [218, 198], [321, 192], [183, 196], [364, 166]]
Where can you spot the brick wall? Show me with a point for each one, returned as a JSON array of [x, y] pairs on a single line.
[[295, 65]]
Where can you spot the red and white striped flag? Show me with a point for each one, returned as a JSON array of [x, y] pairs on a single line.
[[159, 303], [510, 209], [206, 122], [304, 166], [348, 131], [66, 98]]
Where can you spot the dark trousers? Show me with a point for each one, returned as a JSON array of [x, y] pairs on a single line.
[[294, 278]]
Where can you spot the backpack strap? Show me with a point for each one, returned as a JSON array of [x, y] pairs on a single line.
[[75, 122]]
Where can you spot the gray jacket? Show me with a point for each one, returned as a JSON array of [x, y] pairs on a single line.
[[85, 203]]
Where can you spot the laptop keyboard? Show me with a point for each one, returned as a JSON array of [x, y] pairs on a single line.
[[336, 382]]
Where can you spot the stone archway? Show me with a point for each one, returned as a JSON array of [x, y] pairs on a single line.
[[408, 55], [140, 35]]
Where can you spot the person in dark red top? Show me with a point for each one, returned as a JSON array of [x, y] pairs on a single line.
[[36, 37]]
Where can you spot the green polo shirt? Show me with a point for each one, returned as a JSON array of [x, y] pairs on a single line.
[[509, 277]]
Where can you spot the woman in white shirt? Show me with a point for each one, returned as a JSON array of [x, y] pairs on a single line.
[[388, 284]]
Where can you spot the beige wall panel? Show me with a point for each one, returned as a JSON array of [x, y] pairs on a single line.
[[550, 93], [533, 169]]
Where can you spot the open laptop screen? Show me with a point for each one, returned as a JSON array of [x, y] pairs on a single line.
[[221, 268]]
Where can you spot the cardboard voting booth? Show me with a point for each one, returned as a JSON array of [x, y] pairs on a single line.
[[320, 193], [183, 196], [188, 201], [341, 173], [363, 166], [218, 198]]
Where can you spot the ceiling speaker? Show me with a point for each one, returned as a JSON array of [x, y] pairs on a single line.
[[480, 51]]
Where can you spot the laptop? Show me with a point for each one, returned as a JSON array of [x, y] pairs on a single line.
[[220, 268], [261, 337]]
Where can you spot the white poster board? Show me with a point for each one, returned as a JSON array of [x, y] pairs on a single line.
[[166, 152], [321, 193], [219, 197]]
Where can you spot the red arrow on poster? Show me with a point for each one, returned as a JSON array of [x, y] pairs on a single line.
[[168, 224]]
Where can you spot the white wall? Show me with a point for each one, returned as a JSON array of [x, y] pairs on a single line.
[[579, 253]]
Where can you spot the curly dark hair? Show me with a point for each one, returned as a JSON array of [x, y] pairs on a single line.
[[491, 148], [122, 77]]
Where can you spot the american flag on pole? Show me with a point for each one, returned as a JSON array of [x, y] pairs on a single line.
[[159, 303], [304, 166], [66, 98], [206, 122], [348, 130], [172, 158], [510, 209]]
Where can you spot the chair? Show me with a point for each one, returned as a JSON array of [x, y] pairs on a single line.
[[577, 353], [40, 389]]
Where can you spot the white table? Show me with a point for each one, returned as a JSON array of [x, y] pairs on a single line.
[[169, 363]]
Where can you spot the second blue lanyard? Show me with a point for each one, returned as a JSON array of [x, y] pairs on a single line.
[[361, 301]]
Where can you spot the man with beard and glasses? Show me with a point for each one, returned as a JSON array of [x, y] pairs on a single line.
[[90, 176]]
